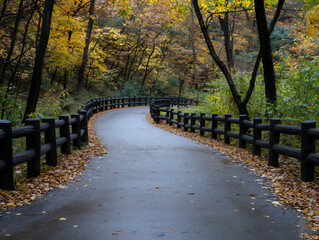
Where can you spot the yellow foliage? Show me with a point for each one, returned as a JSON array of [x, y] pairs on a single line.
[[312, 21]]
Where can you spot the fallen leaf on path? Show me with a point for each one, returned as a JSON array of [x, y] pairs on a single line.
[[284, 181], [117, 233]]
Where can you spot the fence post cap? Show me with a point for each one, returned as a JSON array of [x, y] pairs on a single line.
[[32, 120], [275, 119], [308, 122], [47, 118], [2, 121]]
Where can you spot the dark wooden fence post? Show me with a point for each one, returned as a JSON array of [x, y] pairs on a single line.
[[104, 104], [202, 124], [273, 139], [256, 136], [193, 121], [84, 126], [227, 127], [134, 99], [171, 117], [107, 102], [242, 130], [111, 103], [99, 104], [33, 141], [157, 114], [76, 128], [50, 137], [123, 102], [117, 102], [214, 125], [186, 121], [95, 109], [167, 115], [179, 119], [6, 175], [65, 132], [307, 146]]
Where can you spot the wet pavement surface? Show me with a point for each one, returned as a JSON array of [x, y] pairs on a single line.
[[154, 185]]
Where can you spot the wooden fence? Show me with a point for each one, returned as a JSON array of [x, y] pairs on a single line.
[[46, 136], [250, 131]]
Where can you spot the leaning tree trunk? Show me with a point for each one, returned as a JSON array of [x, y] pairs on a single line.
[[80, 84], [39, 60], [266, 55]]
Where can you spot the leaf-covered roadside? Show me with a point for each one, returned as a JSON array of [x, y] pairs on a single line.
[[284, 181], [68, 169]]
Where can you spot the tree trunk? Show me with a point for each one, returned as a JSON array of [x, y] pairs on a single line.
[[54, 75], [39, 60], [242, 108], [12, 44], [146, 70], [3, 9], [224, 24], [192, 38], [13, 73], [256, 66], [81, 79], [266, 54], [181, 83]]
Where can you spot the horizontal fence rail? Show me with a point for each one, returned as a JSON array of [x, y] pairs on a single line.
[[44, 137], [248, 132]]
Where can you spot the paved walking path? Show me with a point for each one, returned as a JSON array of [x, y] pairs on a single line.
[[154, 185]]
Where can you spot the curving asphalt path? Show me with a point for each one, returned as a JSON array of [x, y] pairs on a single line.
[[154, 185]]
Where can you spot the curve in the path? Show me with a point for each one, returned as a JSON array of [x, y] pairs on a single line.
[[154, 185]]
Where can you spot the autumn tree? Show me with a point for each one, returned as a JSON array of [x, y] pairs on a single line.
[[223, 8]]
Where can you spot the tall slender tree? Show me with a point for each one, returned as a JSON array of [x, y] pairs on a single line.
[[39, 60], [81, 82], [265, 50]]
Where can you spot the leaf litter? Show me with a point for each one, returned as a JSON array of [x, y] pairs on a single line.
[[284, 182], [68, 170]]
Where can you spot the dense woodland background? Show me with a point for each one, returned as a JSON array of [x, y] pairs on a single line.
[[253, 57]]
